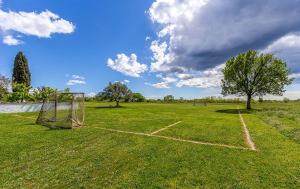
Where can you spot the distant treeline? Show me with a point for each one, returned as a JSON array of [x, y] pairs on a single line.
[[171, 99]]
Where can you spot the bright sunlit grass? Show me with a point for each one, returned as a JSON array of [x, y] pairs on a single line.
[[34, 156]]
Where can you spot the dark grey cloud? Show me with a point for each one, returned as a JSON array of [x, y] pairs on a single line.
[[223, 28]]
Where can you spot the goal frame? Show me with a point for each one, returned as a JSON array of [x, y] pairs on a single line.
[[71, 120]]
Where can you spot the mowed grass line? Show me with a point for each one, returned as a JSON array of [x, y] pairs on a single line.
[[36, 157]]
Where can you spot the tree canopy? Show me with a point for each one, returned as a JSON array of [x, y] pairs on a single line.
[[252, 74], [169, 98], [43, 93], [137, 97], [21, 73], [116, 92], [20, 94]]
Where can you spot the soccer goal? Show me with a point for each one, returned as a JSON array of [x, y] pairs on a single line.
[[197, 103], [62, 110]]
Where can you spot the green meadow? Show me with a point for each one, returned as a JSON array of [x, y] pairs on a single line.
[[152, 145]]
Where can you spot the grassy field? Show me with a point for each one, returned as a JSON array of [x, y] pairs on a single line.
[[203, 147]]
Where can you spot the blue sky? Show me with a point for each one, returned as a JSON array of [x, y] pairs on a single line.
[[157, 47]]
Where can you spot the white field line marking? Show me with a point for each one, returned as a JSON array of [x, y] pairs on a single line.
[[248, 139], [175, 139], [165, 128]]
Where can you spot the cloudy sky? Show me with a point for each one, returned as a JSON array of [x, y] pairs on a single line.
[[157, 47]]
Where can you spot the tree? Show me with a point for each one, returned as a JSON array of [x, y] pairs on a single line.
[[21, 73], [115, 92], [251, 74], [4, 87], [137, 97], [67, 90], [99, 97], [42, 93], [128, 97], [20, 93], [169, 98], [181, 99], [286, 100]]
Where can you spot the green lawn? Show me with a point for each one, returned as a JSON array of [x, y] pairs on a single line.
[[33, 156]]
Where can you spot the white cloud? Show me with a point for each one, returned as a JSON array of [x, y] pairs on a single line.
[[76, 80], [160, 58], [10, 40], [172, 11], [91, 94], [78, 77], [202, 79], [287, 48], [42, 24], [287, 41], [127, 65], [165, 83], [125, 81], [295, 75], [160, 85], [199, 82], [209, 78]]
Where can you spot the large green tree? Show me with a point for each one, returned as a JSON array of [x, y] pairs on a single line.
[[21, 73], [169, 98], [252, 74], [137, 97], [116, 92]]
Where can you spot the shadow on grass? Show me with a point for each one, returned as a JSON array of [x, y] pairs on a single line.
[[53, 128], [107, 107], [235, 111]]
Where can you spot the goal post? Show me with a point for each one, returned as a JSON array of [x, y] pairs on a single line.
[[62, 110], [199, 103]]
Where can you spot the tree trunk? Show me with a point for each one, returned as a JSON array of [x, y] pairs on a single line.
[[248, 102], [117, 104]]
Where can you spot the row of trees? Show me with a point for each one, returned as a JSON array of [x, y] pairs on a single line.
[[20, 83], [137, 97], [21, 94], [119, 92], [18, 88]]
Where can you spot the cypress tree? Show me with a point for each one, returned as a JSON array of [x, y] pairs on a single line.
[[21, 73]]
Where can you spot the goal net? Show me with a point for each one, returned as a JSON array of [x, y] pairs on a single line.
[[199, 103], [62, 110]]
